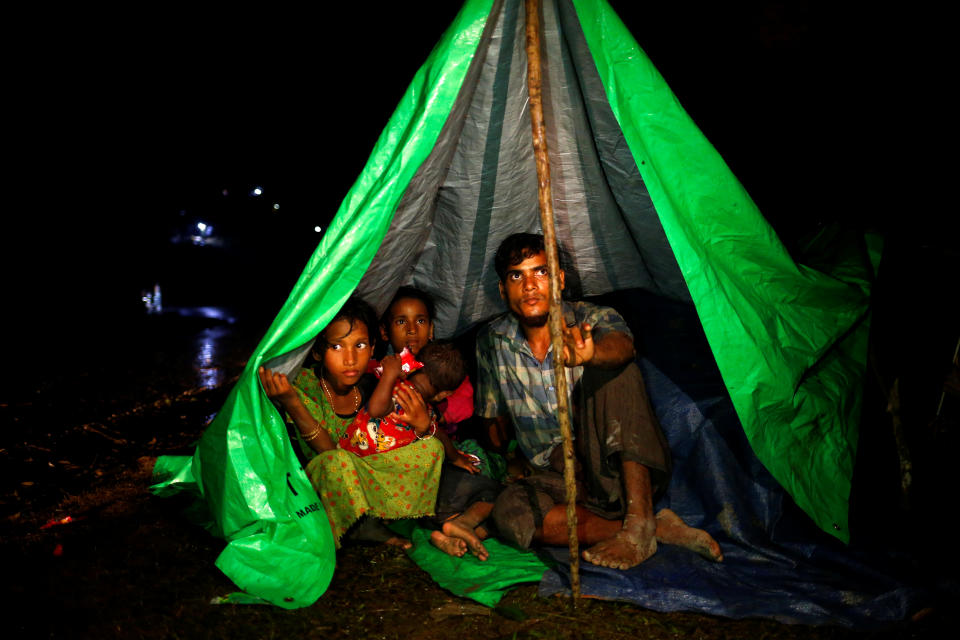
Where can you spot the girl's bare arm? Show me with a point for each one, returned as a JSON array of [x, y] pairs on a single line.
[[380, 402], [278, 388]]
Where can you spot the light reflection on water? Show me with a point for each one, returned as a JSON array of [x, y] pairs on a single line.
[[205, 363], [209, 345]]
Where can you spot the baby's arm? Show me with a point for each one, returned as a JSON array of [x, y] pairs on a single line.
[[448, 449], [380, 402], [279, 388]]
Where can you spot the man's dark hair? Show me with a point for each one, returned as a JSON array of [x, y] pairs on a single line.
[[515, 249], [354, 310], [443, 364], [415, 294]]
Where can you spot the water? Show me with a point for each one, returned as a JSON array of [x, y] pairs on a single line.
[[93, 370], [82, 340]]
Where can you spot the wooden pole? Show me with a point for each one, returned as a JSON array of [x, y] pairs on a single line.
[[534, 86]]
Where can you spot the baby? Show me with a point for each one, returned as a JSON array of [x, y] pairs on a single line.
[[379, 426]]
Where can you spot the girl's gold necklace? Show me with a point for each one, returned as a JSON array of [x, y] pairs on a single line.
[[326, 390]]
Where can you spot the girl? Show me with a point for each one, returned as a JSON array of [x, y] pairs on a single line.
[[408, 322], [465, 497], [322, 402]]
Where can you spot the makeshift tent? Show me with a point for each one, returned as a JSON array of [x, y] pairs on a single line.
[[642, 201]]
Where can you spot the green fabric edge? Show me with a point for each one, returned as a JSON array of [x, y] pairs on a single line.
[[484, 581], [244, 467], [790, 341]]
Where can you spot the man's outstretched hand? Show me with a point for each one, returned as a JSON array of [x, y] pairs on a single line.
[[578, 346]]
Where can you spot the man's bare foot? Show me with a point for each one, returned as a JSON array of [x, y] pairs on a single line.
[[672, 530], [456, 528], [630, 546], [397, 541], [451, 546]]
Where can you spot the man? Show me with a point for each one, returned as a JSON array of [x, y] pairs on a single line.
[[622, 456]]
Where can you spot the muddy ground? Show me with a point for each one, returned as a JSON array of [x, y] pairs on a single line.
[[128, 565]]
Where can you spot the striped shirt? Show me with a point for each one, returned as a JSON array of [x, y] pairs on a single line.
[[511, 381]]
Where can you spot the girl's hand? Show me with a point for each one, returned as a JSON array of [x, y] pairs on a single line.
[[415, 412], [392, 367], [277, 386]]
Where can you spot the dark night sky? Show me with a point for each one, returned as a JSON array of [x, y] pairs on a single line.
[[121, 121]]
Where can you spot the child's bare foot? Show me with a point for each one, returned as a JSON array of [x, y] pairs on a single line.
[[397, 541], [456, 528], [451, 546], [630, 546], [672, 530]]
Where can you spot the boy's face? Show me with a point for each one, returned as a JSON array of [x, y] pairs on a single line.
[[526, 290], [408, 325]]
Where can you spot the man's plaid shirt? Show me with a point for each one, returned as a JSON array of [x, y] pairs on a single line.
[[511, 381]]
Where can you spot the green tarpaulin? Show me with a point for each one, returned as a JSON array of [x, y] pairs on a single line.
[[642, 200]]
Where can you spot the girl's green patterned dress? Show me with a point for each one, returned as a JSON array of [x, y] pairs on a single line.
[[401, 483]]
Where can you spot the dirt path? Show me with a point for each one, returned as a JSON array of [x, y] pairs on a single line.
[[128, 565]]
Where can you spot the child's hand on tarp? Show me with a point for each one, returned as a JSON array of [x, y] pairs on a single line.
[[466, 461]]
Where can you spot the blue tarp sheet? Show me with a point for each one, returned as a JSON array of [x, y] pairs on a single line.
[[777, 564]]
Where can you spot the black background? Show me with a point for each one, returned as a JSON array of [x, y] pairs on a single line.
[[123, 126]]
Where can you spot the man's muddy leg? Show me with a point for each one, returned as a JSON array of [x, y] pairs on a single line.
[[636, 540], [591, 528]]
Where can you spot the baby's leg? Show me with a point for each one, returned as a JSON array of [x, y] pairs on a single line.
[[449, 545], [464, 527]]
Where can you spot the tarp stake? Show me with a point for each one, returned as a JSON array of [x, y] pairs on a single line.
[[534, 82]]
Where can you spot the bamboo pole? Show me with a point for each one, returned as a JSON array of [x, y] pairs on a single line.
[[534, 86]]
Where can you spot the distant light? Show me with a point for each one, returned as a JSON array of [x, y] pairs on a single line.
[[317, 229], [275, 206], [225, 192], [202, 226], [256, 191]]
